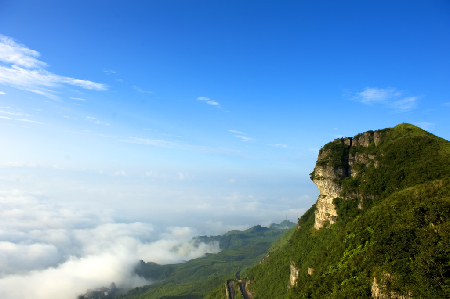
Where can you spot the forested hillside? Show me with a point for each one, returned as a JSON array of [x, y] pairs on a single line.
[[196, 278], [380, 227]]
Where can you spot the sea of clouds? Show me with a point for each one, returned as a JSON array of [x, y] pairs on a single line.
[[54, 250]]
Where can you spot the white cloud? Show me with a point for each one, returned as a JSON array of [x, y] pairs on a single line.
[[245, 138], [93, 119], [78, 99], [10, 113], [30, 121], [1, 92], [17, 54], [26, 72], [425, 125], [119, 173], [405, 104], [208, 101], [390, 97], [4, 117], [141, 90], [370, 95], [108, 72], [235, 132], [183, 176]]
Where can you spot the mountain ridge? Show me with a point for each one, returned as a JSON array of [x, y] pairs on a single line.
[[379, 228]]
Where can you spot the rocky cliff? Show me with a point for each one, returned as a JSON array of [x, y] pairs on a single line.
[[335, 163]]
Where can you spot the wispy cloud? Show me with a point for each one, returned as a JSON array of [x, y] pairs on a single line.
[[155, 174], [405, 104], [425, 125], [77, 99], [180, 145], [141, 90], [389, 97], [372, 95], [281, 145], [30, 121], [119, 173], [4, 117], [447, 104], [109, 72], [94, 120], [236, 132], [1, 92], [10, 113], [26, 72], [183, 176], [209, 101], [245, 138]]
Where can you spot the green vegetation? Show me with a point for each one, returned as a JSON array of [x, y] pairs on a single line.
[[196, 278], [401, 238]]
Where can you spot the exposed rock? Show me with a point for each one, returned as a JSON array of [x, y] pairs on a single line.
[[299, 226], [378, 289], [294, 275], [363, 140], [310, 271], [329, 190], [327, 177], [348, 141], [250, 294], [377, 138], [361, 204], [357, 158]]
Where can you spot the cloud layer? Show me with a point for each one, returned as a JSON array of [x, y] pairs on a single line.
[[56, 251]]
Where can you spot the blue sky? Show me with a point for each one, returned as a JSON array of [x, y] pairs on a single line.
[[204, 114], [210, 99]]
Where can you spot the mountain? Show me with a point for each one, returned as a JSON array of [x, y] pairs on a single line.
[[196, 278], [379, 229]]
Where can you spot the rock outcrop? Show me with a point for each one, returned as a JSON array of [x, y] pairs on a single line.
[[378, 290], [294, 275], [329, 172]]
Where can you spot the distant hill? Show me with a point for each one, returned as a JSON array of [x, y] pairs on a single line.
[[285, 224], [196, 278], [380, 227]]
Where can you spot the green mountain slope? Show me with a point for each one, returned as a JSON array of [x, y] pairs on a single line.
[[381, 226], [196, 278]]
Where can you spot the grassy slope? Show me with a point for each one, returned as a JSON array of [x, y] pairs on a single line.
[[196, 278], [403, 230]]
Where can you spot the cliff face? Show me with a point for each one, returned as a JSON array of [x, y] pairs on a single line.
[[336, 162]]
